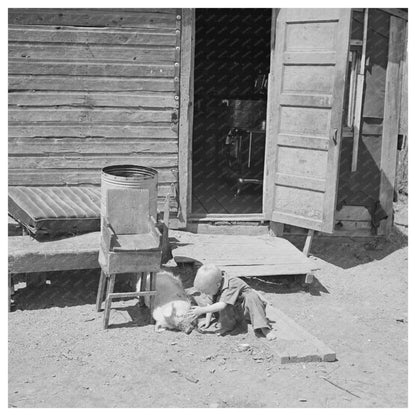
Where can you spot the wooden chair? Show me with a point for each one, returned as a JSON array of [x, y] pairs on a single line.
[[130, 243]]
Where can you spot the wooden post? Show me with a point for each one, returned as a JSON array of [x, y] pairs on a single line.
[[308, 242], [110, 289], [100, 292], [186, 112], [142, 288], [352, 92], [166, 252], [391, 119], [10, 291], [359, 97], [152, 287]]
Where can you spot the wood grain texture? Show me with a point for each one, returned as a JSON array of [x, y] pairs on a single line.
[[242, 255], [232, 229], [306, 84], [105, 69], [79, 83], [163, 131], [96, 116], [186, 112], [149, 18], [88, 88], [91, 53], [29, 255], [342, 42], [104, 35], [68, 176], [91, 99], [391, 118], [403, 125], [294, 344], [276, 49], [74, 162], [84, 146]]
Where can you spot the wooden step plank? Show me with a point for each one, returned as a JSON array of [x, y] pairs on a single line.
[[231, 258], [294, 344], [235, 229], [267, 270], [74, 253], [242, 255]]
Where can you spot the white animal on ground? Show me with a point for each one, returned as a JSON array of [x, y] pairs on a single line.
[[171, 304]]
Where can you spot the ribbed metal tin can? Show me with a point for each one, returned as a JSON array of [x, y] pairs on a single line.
[[129, 176]]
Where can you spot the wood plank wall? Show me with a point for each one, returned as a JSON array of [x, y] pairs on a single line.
[[89, 88]]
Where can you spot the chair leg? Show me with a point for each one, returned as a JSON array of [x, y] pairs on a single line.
[[152, 286], [107, 309], [11, 291], [142, 288], [100, 293]]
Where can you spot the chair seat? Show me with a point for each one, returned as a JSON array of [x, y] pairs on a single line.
[[136, 242]]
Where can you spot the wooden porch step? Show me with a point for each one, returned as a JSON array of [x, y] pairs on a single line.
[[294, 344], [28, 255], [241, 255]]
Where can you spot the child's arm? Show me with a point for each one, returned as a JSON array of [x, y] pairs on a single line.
[[210, 309], [207, 322]]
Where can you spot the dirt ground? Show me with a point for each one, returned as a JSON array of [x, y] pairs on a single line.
[[59, 355]]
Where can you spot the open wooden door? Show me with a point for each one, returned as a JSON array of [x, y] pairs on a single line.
[[306, 92]]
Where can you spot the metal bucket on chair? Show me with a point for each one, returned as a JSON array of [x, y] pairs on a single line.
[[129, 176], [130, 240]]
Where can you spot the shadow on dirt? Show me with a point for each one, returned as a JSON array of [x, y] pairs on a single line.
[[61, 289], [79, 287], [348, 252], [139, 316], [286, 284]]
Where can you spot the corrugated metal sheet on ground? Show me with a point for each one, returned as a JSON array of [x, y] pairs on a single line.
[[55, 210]]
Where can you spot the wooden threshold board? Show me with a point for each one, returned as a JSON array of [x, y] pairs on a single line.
[[294, 344], [241, 255]]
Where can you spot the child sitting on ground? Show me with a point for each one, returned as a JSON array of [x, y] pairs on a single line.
[[232, 298]]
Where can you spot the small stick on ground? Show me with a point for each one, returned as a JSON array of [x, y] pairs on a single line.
[[339, 387]]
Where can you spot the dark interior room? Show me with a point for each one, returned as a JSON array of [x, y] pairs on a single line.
[[232, 61]]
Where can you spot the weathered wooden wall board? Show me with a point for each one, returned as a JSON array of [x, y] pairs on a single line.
[[90, 88]]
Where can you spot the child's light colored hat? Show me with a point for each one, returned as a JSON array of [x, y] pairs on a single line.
[[207, 278]]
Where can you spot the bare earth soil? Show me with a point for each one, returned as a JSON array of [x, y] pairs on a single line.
[[59, 355]]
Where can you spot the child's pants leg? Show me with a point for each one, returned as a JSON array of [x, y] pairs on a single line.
[[228, 318], [255, 310]]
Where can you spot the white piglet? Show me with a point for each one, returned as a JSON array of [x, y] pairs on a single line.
[[171, 304]]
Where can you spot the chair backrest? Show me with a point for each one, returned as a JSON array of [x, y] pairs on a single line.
[[128, 210]]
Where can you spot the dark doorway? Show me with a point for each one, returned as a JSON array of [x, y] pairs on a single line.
[[232, 62]]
